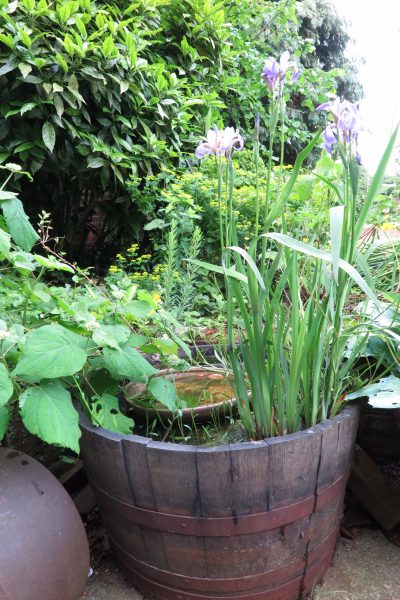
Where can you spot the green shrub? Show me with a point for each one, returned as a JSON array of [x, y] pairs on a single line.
[[92, 93], [95, 97]]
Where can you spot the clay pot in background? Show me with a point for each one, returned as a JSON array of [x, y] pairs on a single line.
[[44, 552]]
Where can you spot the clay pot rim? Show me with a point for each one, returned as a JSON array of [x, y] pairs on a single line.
[[201, 412]]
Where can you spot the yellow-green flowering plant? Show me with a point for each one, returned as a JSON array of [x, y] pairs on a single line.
[[289, 329]]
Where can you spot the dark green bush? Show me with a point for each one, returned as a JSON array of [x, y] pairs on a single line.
[[95, 97], [92, 93]]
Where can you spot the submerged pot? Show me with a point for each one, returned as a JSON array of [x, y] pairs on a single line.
[[213, 384], [44, 552], [251, 521]]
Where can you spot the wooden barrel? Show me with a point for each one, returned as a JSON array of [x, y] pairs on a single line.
[[379, 434], [251, 521]]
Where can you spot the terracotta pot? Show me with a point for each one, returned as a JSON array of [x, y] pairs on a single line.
[[44, 552], [196, 381], [245, 521]]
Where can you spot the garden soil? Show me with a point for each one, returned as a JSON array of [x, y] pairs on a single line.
[[364, 568]]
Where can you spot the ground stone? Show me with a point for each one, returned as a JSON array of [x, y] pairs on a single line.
[[367, 568]]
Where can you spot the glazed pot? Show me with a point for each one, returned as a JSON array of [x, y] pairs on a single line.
[[252, 521], [44, 552], [211, 386]]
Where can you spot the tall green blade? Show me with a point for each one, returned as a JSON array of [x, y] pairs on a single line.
[[375, 184]]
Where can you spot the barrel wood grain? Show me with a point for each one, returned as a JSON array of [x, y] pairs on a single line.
[[293, 469], [139, 475], [173, 471], [251, 521]]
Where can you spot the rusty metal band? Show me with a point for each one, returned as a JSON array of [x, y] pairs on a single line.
[[157, 591], [219, 526], [279, 582], [319, 560]]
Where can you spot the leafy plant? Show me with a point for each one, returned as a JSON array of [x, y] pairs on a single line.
[[93, 93], [96, 97], [60, 344], [288, 331]]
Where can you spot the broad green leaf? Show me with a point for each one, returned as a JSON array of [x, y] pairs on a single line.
[[375, 184], [10, 65], [23, 261], [25, 36], [6, 386], [95, 162], [154, 224], [164, 391], [166, 346], [51, 263], [111, 335], [231, 272], [58, 105], [41, 295], [317, 253], [49, 135], [62, 62], [100, 380], [5, 243], [8, 40], [136, 340], [47, 411], [108, 415], [4, 420], [109, 48], [18, 224], [4, 195], [138, 309], [251, 264], [51, 351], [383, 394], [24, 147], [25, 69], [127, 363]]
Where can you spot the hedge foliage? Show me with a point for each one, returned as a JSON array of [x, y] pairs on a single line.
[[96, 96]]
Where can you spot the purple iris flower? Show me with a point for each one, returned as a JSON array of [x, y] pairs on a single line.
[[329, 138], [296, 74], [347, 123], [275, 71], [271, 72], [220, 143]]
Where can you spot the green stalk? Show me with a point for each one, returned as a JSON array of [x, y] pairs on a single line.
[[219, 195], [256, 160], [272, 127]]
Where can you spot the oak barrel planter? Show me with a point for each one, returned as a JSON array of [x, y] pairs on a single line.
[[250, 521]]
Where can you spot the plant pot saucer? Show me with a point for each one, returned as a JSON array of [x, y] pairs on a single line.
[[205, 382]]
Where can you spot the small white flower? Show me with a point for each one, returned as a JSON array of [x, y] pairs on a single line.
[[118, 294], [92, 325], [4, 334], [13, 167]]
